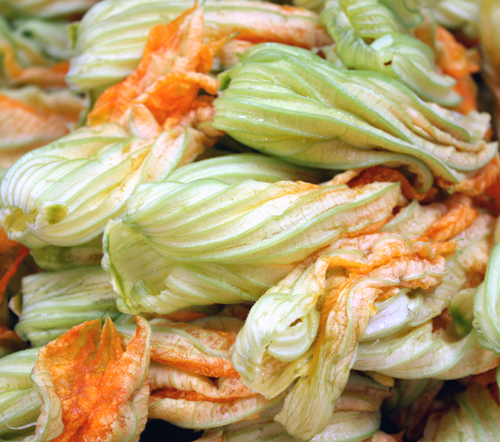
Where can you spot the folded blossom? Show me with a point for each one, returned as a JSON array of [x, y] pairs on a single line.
[[192, 381], [357, 418], [322, 319], [382, 303], [291, 103]]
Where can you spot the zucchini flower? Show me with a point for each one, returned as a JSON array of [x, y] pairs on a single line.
[[431, 333], [31, 117], [39, 59], [232, 256], [110, 39], [474, 416], [375, 303], [356, 419], [110, 400], [291, 103], [64, 193], [54, 302], [141, 130], [45, 8], [383, 44], [324, 307]]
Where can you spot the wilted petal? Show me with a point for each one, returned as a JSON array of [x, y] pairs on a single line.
[[167, 81]]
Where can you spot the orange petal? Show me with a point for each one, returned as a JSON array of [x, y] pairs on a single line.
[[182, 346], [458, 217], [25, 128], [102, 389], [486, 177], [169, 77], [456, 61]]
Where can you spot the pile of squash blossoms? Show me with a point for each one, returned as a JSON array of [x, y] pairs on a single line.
[[257, 221]]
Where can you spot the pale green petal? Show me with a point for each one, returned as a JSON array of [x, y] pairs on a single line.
[[393, 315], [15, 370], [208, 414], [63, 194], [291, 103], [147, 282], [420, 353], [414, 219], [252, 222], [487, 305], [234, 168], [462, 311], [54, 302], [19, 403]]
